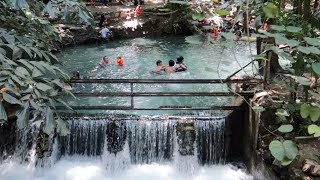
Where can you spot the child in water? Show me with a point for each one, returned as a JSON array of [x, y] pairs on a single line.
[[120, 61]]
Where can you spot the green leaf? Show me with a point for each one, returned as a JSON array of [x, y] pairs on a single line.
[[314, 50], [290, 148], [27, 50], [10, 99], [304, 110], [277, 150], [278, 28], [16, 79], [36, 73], [258, 109], [285, 128], [270, 10], [49, 122], [293, 29], [303, 49], [22, 70], [314, 113], [312, 41], [57, 82], [62, 128], [43, 87], [222, 12], [23, 116], [292, 42], [302, 80], [3, 114], [312, 129], [282, 112], [26, 63], [286, 162], [280, 39], [36, 106]]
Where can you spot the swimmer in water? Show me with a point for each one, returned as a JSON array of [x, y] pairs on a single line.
[[180, 65], [104, 61], [171, 68], [159, 67], [120, 61]]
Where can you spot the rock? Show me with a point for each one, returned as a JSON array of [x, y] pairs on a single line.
[[311, 167]]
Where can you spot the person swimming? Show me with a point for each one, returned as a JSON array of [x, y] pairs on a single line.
[[171, 68], [104, 61], [159, 67], [180, 65], [120, 61]]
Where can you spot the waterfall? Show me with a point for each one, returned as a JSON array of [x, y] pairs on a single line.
[[188, 143]]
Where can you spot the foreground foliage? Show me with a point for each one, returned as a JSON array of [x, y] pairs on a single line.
[[30, 77]]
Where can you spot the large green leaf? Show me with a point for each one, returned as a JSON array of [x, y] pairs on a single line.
[[293, 29], [316, 67], [290, 148], [23, 116], [3, 114], [62, 128], [314, 113], [277, 150], [278, 28], [312, 41], [10, 99], [314, 50], [23, 71], [304, 110], [305, 50], [285, 128], [49, 121]]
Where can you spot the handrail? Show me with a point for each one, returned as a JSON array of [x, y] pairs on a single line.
[[165, 81], [133, 94], [147, 94]]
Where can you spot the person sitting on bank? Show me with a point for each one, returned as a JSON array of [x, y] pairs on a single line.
[[104, 62], [105, 33], [180, 65], [159, 67], [171, 68], [120, 61]]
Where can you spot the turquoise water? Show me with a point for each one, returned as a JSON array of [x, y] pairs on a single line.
[[204, 61]]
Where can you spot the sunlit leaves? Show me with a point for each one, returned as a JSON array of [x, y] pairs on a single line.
[[285, 128], [310, 111], [222, 12], [270, 10], [49, 124], [258, 109], [62, 128], [198, 16], [314, 130]]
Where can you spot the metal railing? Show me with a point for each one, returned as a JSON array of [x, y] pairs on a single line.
[[133, 94]]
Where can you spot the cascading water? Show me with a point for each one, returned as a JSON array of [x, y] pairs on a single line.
[[149, 148]]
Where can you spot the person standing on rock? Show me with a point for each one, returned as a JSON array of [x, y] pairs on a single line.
[[102, 19], [105, 33]]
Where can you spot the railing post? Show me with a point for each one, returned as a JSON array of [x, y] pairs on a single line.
[[131, 94]]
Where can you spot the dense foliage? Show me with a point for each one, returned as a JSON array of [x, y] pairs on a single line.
[[30, 77]]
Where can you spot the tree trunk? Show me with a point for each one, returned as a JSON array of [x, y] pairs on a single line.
[[306, 10], [245, 23]]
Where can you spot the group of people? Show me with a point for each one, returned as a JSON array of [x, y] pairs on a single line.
[[172, 66]]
